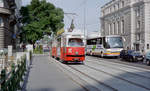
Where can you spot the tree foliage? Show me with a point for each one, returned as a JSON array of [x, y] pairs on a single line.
[[40, 18]]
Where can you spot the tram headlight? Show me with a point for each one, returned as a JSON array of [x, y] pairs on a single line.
[[76, 53]]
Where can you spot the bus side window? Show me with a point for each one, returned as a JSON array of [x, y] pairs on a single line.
[[88, 42], [104, 42], [99, 41], [93, 41]]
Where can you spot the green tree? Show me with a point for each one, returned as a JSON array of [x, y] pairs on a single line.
[[38, 19]]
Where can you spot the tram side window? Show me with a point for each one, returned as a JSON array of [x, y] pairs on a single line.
[[59, 42]]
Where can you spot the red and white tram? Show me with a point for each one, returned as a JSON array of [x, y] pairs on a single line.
[[69, 47]]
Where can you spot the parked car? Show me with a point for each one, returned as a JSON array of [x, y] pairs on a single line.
[[122, 54], [131, 55], [147, 57]]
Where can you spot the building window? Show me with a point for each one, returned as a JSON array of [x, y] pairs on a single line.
[[110, 10], [138, 37], [138, 12], [122, 26], [109, 29], [103, 13], [138, 25], [147, 46], [114, 28], [122, 3], [1, 3], [1, 22], [117, 28], [114, 7], [118, 5]]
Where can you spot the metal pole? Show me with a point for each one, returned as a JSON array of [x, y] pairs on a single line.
[[84, 17]]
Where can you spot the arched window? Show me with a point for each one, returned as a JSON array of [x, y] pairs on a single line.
[[1, 3], [1, 22]]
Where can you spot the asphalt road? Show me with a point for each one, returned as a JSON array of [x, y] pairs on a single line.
[[44, 75], [110, 74]]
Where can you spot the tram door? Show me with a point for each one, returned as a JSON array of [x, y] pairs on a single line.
[[58, 47], [63, 48]]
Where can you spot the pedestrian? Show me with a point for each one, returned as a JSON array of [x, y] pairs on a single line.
[[23, 47]]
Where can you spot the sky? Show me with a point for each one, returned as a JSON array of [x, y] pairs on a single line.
[[91, 14]]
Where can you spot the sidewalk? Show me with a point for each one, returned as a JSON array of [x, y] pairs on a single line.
[[45, 76]]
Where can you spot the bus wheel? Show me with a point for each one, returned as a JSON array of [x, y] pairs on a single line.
[[131, 59], [91, 53], [102, 55], [82, 63], [148, 62]]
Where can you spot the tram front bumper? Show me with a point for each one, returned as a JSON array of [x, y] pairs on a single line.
[[73, 58]]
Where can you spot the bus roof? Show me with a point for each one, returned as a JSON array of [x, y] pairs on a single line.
[[104, 36], [113, 36]]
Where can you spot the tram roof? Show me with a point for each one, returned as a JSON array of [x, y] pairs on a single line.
[[74, 32]]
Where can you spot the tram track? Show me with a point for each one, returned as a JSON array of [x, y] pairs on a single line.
[[119, 78], [101, 83], [76, 78], [123, 64], [102, 86], [105, 83], [65, 71], [120, 69], [122, 83]]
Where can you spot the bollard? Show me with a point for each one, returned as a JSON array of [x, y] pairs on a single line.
[[3, 78]]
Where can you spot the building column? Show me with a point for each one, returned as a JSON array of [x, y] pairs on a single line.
[[2, 30], [133, 27], [147, 25]]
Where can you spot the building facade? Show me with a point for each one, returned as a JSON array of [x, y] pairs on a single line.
[[8, 21], [130, 19]]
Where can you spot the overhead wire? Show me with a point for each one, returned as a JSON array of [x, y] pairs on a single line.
[[80, 5]]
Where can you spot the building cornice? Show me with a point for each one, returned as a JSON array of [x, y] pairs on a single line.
[[117, 11], [5, 11]]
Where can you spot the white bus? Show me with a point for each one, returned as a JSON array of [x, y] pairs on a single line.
[[107, 46]]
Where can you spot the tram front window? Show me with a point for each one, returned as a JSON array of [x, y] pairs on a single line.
[[114, 42], [75, 42]]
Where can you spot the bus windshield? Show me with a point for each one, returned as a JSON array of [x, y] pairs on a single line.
[[114, 42], [75, 42]]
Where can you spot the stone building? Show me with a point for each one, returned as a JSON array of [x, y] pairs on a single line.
[[8, 21], [130, 19]]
